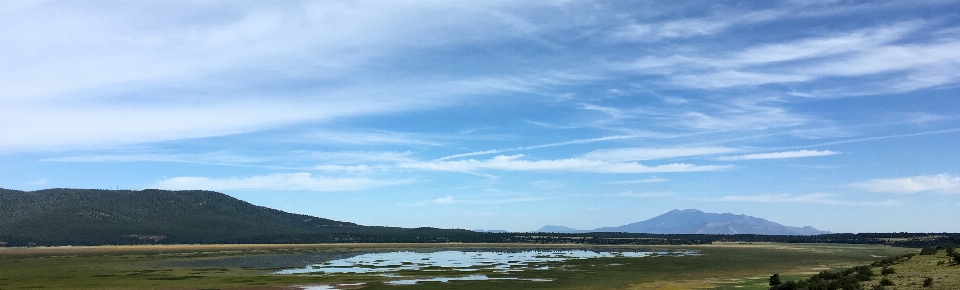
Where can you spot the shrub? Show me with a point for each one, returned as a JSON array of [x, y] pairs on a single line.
[[789, 285], [775, 280], [886, 282], [887, 271], [863, 273], [878, 287], [928, 251], [927, 282]]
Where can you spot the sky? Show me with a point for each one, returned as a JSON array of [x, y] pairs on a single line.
[[497, 115]]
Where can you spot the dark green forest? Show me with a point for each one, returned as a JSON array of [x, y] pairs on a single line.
[[56, 217]]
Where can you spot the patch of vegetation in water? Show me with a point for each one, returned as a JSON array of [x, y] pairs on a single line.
[[716, 266]]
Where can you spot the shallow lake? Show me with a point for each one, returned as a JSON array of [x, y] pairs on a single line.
[[464, 260]]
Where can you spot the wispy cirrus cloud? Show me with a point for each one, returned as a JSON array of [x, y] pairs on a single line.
[[863, 52], [641, 194], [815, 198], [451, 200], [541, 146], [653, 179], [278, 181], [516, 163], [780, 155], [943, 183], [687, 27], [742, 115], [635, 154], [354, 157], [215, 157]]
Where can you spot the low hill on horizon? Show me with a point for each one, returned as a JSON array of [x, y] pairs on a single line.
[[693, 221], [91, 217], [97, 217]]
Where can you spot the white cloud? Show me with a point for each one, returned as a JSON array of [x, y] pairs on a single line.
[[740, 115], [893, 58], [85, 75], [640, 181], [688, 27], [452, 200], [612, 112], [820, 47], [635, 154], [215, 157], [371, 138], [862, 52], [277, 181], [780, 155], [732, 78], [354, 157], [547, 184], [448, 199], [41, 181], [347, 168], [944, 183], [816, 198], [548, 145], [515, 163], [644, 194]]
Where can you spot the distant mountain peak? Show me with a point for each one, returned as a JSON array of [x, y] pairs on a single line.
[[559, 229], [694, 221]]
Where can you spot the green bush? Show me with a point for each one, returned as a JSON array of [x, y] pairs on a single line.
[[886, 282], [775, 280], [928, 251], [887, 271], [927, 282]]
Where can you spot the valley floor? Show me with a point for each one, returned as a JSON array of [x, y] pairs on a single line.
[[717, 266]]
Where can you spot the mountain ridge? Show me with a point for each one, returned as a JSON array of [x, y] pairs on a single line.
[[63, 216], [693, 221]]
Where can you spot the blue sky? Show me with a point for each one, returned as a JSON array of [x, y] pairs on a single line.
[[842, 115]]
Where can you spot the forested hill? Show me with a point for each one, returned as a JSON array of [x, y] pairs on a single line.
[[96, 217], [56, 217]]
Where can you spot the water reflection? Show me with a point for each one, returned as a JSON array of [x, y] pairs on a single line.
[[462, 261]]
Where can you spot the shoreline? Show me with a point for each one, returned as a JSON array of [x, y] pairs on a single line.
[[241, 247]]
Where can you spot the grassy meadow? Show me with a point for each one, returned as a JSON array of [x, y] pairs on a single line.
[[719, 266]]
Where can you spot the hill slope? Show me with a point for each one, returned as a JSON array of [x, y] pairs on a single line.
[[692, 221], [90, 216]]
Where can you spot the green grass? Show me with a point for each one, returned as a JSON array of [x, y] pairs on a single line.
[[911, 273], [721, 266]]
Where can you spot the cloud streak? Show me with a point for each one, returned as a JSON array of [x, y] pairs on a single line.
[[814, 198], [943, 183], [780, 155], [640, 154], [640, 181], [516, 163], [277, 181]]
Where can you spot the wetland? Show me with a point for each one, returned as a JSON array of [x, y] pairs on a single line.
[[424, 266]]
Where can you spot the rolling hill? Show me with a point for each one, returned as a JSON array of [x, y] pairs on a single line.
[[95, 217]]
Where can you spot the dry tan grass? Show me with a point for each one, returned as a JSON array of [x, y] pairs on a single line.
[[910, 274]]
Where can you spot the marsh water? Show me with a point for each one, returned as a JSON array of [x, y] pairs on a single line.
[[446, 263], [406, 267], [458, 260]]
